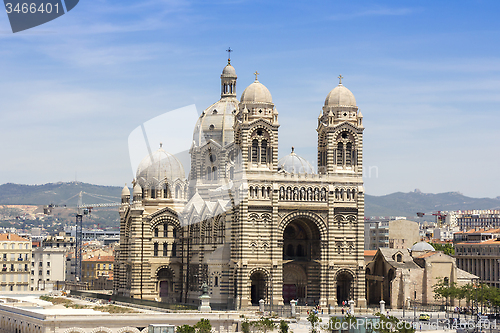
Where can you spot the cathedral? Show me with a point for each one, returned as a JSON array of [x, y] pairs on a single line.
[[249, 225]]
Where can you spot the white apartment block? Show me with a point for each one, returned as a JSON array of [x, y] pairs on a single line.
[[15, 257], [48, 268]]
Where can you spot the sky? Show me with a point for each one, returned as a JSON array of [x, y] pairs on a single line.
[[425, 74]]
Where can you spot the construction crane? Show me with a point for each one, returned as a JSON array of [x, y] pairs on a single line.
[[440, 217], [81, 210]]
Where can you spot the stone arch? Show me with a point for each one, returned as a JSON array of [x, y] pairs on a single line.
[[345, 280], [318, 220], [128, 330], [101, 330], [75, 330], [162, 219], [258, 279]]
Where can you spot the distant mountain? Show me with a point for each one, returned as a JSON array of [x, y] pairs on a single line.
[[57, 193], [408, 204], [395, 204]]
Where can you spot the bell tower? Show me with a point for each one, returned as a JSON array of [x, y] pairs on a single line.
[[228, 79], [256, 128], [340, 134]]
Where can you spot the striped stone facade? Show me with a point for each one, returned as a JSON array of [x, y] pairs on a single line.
[[248, 225]]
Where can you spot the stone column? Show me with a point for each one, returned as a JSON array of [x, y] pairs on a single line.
[[382, 306], [351, 307], [293, 304]]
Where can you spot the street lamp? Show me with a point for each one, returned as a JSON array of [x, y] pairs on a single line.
[[414, 301]]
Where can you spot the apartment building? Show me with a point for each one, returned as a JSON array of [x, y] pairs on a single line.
[[15, 256], [48, 268]]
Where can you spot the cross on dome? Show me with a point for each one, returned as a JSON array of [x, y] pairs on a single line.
[[340, 78], [256, 74], [229, 55]]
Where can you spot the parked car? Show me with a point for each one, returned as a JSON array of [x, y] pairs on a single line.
[[424, 317]]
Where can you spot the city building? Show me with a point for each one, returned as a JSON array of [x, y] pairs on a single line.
[[60, 241], [479, 254], [470, 219], [15, 256], [445, 234], [249, 225], [401, 277], [394, 234], [97, 272], [48, 268]]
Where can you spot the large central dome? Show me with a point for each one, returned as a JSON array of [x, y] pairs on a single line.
[[158, 168], [256, 93]]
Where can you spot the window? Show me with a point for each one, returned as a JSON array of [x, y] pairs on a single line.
[[5, 256], [153, 193], [174, 250], [209, 173], [174, 233], [48, 263], [165, 230], [263, 152], [40, 273], [340, 154], [214, 171], [48, 272], [399, 257], [156, 232], [155, 250], [348, 153], [255, 148], [216, 281], [165, 249]]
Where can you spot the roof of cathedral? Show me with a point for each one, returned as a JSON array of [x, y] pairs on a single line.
[[216, 123], [256, 93], [340, 96], [293, 163], [422, 246], [158, 168], [125, 191], [229, 71]]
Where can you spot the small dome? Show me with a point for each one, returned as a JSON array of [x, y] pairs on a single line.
[[158, 168], [228, 71], [256, 93], [125, 191], [422, 246], [340, 96], [293, 163], [137, 189]]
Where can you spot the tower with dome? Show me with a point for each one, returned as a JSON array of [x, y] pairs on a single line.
[[250, 225]]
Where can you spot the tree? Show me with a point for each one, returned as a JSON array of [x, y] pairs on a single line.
[[245, 326], [203, 326], [283, 326], [391, 324], [446, 248], [185, 329], [314, 320], [265, 324]]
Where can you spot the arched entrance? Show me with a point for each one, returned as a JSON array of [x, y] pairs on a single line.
[[294, 283], [344, 287], [258, 287], [301, 253], [165, 278]]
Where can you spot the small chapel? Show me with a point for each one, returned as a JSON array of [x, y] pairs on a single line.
[[248, 224]]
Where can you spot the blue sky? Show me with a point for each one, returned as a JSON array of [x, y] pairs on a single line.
[[426, 76]]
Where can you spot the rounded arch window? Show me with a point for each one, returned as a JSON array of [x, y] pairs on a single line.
[[212, 158], [211, 127]]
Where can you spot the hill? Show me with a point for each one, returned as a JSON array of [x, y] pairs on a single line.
[[395, 204], [408, 204], [57, 193]]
